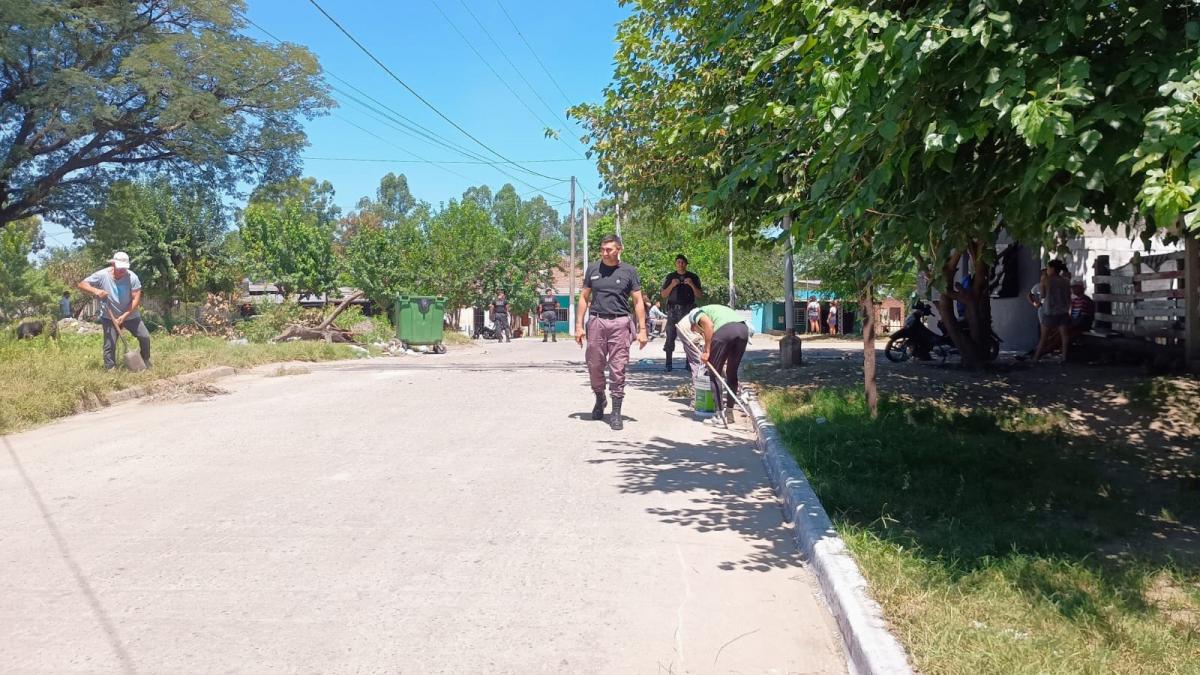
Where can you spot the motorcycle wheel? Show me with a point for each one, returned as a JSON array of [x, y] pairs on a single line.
[[993, 351], [897, 350]]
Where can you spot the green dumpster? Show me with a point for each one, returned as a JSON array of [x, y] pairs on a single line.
[[419, 321]]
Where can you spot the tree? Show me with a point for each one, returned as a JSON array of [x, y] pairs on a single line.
[[908, 130], [24, 289], [91, 92], [288, 240], [173, 233]]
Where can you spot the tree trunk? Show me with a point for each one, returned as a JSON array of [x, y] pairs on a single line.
[[867, 306], [340, 308]]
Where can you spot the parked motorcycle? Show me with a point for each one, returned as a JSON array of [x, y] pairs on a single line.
[[915, 340]]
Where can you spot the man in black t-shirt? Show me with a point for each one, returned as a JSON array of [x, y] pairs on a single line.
[[499, 309], [549, 310], [681, 290], [612, 292]]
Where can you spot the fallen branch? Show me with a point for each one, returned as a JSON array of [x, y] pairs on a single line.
[[298, 332], [340, 308]]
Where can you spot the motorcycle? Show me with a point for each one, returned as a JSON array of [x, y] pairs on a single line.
[[915, 340]]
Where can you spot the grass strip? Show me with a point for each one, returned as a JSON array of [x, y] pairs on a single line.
[[991, 544]]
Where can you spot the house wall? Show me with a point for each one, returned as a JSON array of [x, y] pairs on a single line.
[[1014, 319], [1119, 249]]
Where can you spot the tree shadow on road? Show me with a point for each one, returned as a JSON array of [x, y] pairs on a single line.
[[725, 482]]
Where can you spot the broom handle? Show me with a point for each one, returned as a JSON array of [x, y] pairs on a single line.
[[725, 386]]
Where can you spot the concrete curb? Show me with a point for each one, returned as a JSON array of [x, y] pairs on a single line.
[[871, 648], [122, 395]]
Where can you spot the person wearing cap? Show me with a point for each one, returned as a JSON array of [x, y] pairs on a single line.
[[499, 310], [725, 335], [681, 290], [120, 294], [610, 289]]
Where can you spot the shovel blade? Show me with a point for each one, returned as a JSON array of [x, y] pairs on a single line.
[[134, 362]]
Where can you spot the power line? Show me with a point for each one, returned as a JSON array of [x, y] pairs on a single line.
[[435, 161], [521, 75], [416, 130], [503, 81], [532, 51], [420, 98]]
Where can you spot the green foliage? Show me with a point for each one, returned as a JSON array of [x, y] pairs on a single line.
[[894, 131], [174, 235], [96, 91], [24, 289], [983, 536], [287, 237], [465, 251], [269, 320], [381, 329]]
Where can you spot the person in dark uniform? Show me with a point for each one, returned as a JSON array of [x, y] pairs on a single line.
[[549, 309], [612, 291], [681, 290], [499, 309]]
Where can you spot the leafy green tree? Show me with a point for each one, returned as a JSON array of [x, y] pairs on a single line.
[[528, 247], [173, 233], [96, 91], [24, 289], [908, 130], [290, 243]]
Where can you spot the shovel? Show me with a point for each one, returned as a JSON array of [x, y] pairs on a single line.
[[133, 359]]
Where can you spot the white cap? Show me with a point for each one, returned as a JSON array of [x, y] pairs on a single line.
[[120, 260]]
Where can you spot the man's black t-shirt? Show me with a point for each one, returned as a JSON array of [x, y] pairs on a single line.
[[500, 306], [683, 294], [611, 287]]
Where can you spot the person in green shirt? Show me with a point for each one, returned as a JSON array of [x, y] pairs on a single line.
[[725, 335]]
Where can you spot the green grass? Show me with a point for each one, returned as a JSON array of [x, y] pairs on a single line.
[[41, 380], [983, 535]]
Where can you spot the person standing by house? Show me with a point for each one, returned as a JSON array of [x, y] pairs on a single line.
[[499, 310], [610, 289], [120, 293], [814, 315], [549, 309], [1056, 309], [64, 306], [833, 317], [681, 290], [725, 336]]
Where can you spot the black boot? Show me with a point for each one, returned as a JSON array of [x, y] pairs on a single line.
[[598, 410], [554, 337], [669, 368], [545, 337], [615, 420]]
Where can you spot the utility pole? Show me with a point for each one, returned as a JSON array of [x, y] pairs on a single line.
[[583, 249], [618, 220], [571, 300], [732, 292], [789, 346]]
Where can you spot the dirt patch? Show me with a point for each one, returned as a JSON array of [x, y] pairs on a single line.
[[174, 392], [284, 371]]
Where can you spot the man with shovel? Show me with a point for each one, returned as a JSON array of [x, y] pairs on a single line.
[[120, 293]]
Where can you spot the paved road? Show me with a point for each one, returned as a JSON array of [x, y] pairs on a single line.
[[451, 514]]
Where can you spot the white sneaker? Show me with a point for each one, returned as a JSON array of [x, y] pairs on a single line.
[[717, 420]]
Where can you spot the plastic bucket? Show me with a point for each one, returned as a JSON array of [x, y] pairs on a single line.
[[703, 401]]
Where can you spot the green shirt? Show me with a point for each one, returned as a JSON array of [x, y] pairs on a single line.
[[718, 314]]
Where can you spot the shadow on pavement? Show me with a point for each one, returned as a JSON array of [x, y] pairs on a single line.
[[724, 481]]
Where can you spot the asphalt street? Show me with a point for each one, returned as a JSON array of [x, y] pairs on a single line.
[[420, 514]]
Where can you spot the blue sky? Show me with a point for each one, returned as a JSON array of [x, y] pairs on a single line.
[[573, 39]]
